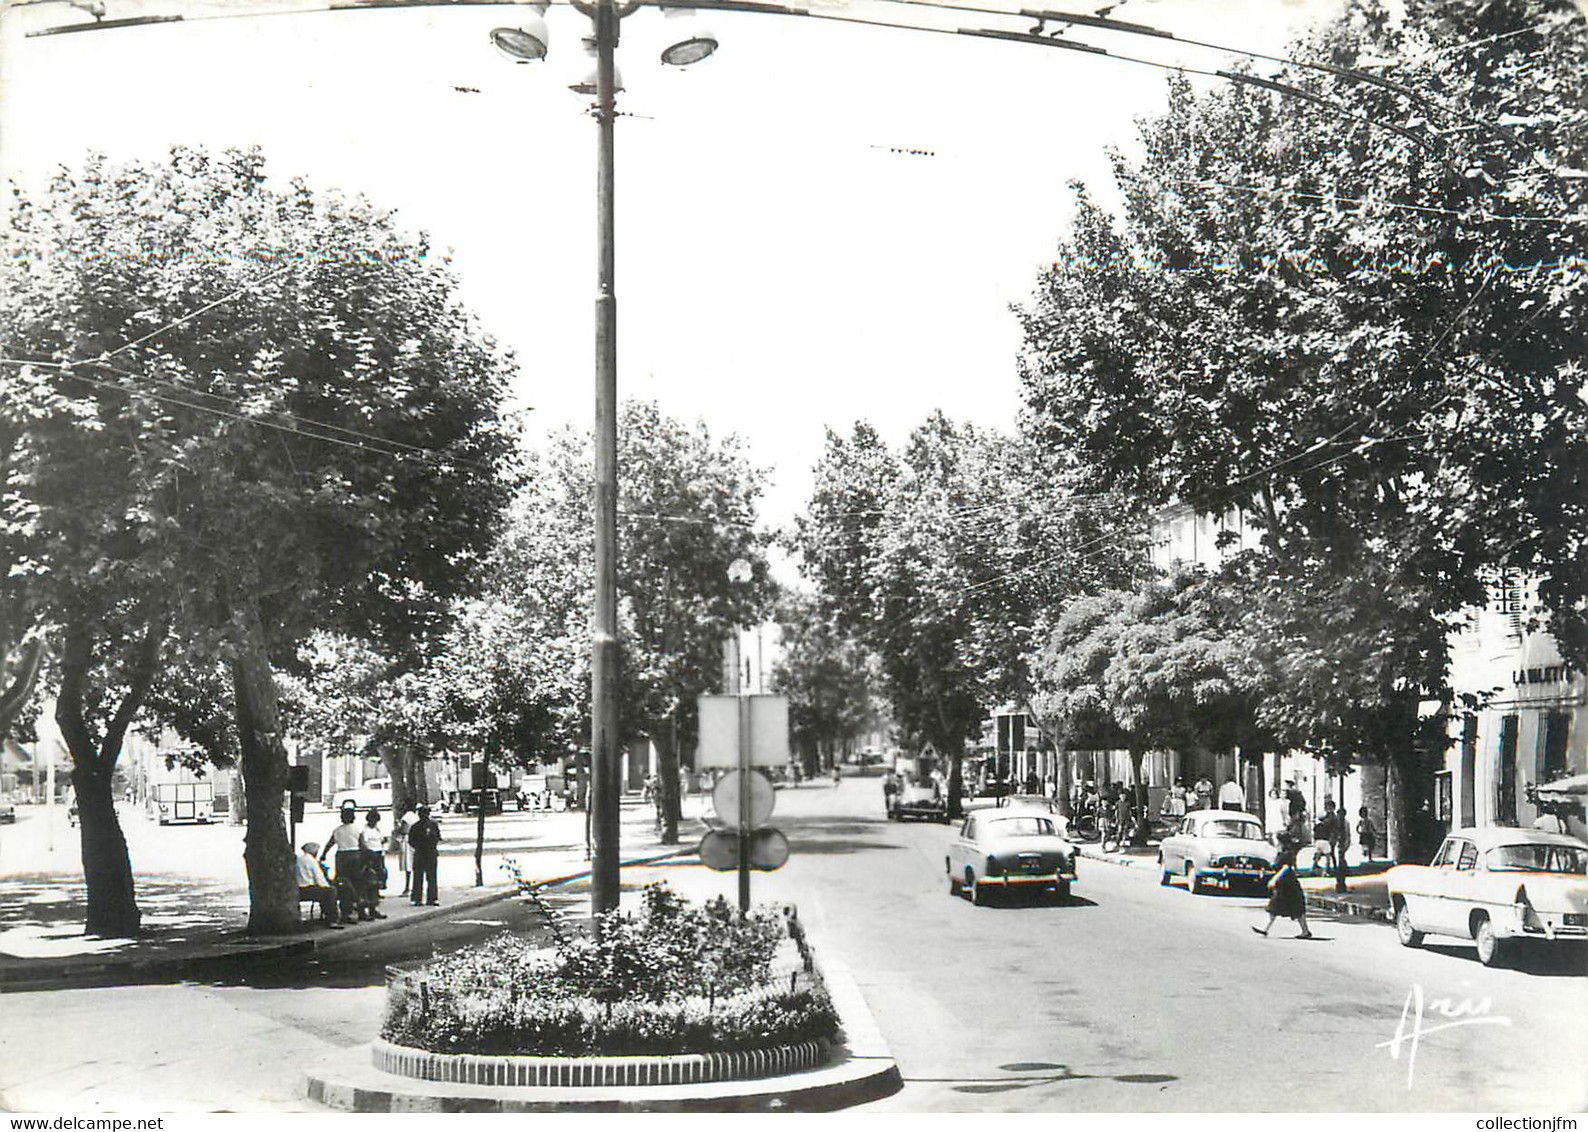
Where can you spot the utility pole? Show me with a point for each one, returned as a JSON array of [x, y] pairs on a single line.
[[604, 655]]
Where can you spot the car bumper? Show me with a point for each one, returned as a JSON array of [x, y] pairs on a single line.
[[1222, 874], [1029, 878], [1552, 926]]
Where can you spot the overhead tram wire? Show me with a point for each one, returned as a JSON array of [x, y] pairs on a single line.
[[1350, 73], [758, 7]]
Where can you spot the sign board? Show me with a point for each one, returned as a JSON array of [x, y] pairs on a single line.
[[725, 797], [719, 850], [719, 731]]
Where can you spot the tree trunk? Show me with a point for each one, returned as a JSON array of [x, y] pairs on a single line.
[[667, 784], [956, 783], [267, 854], [107, 869], [1402, 849], [1138, 787]]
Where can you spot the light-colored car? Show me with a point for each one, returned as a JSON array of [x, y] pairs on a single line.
[[1005, 848], [372, 794], [8, 812], [1218, 847], [1494, 884]]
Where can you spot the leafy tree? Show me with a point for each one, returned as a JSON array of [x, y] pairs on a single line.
[[940, 558], [1165, 665], [256, 412], [827, 677], [686, 512], [1367, 338]]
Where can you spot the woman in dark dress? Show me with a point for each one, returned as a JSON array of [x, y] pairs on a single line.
[[1287, 899]]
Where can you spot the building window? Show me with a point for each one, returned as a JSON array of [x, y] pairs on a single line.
[[1442, 807], [1552, 746], [1506, 801]]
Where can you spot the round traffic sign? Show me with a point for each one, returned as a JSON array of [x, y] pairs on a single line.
[[725, 797], [768, 850]]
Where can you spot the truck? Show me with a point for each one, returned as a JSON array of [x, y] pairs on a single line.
[[184, 803]]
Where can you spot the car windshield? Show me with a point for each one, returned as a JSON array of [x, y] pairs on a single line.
[[1245, 830], [1021, 827], [1538, 859]]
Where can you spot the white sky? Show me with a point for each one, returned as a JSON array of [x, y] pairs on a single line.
[[778, 269]]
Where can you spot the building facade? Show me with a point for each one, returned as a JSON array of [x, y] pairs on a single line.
[[1519, 718]]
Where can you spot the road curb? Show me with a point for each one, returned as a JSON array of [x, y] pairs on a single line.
[[1317, 902], [1127, 862]]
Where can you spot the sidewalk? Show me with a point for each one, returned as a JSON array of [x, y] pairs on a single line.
[[195, 903], [1366, 895]]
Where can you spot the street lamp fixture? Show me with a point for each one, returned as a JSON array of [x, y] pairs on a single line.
[[693, 43], [529, 41], [588, 85]]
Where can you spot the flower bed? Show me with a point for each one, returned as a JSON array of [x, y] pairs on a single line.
[[677, 979]]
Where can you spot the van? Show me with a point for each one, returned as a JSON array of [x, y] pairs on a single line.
[[179, 803]]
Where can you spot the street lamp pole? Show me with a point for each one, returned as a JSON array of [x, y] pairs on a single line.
[[604, 799]]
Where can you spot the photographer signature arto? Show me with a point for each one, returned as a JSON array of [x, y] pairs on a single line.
[[1445, 1013]]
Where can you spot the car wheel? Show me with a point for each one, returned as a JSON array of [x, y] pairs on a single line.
[[1410, 936], [953, 882], [1165, 877], [1062, 891], [968, 885], [1193, 880], [1489, 949]]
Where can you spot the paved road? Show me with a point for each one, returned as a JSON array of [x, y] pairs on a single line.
[[1134, 996], [1129, 997]]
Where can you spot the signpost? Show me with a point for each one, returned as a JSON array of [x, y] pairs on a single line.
[[743, 732]]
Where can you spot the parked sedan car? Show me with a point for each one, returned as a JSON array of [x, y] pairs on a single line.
[[1222, 847], [374, 793], [1008, 847], [8, 812], [1492, 885]]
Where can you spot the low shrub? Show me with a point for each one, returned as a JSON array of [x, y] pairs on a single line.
[[678, 979]]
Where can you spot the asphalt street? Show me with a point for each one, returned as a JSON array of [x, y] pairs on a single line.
[[1132, 996], [1127, 997]]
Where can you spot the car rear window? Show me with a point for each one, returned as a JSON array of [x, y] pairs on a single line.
[[1538, 858], [1021, 827]]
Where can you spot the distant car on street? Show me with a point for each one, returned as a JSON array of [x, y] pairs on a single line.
[[372, 794], [8, 812], [1218, 847], [1492, 885], [1008, 847]]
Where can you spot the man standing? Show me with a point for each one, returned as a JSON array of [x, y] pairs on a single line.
[[424, 840], [1204, 793], [1231, 796], [349, 860]]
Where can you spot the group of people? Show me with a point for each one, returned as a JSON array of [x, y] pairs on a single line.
[[353, 887]]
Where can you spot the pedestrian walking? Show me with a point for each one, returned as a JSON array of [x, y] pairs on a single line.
[[349, 863], [1323, 839], [1287, 899], [1366, 834], [1231, 796], [1204, 793], [424, 839], [372, 843]]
